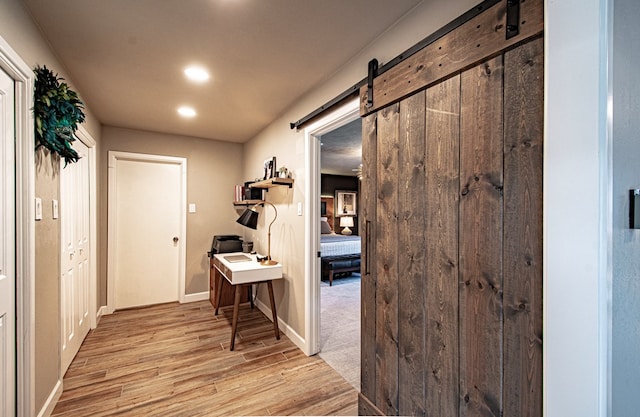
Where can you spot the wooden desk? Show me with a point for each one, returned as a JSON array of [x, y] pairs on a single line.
[[216, 286], [245, 273]]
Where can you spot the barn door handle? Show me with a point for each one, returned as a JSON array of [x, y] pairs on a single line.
[[367, 242], [175, 239]]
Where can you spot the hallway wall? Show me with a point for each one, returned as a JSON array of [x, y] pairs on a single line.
[[19, 31]]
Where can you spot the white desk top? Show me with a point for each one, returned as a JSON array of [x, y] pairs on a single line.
[[245, 272]]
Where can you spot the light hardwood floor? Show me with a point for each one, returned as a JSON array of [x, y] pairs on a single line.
[[174, 360]]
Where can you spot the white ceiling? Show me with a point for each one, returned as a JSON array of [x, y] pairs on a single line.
[[126, 57]]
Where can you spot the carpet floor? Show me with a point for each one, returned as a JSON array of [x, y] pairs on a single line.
[[340, 327]]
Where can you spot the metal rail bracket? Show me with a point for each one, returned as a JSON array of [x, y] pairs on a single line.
[[513, 18], [373, 72]]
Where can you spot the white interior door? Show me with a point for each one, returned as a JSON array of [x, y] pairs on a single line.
[[7, 247], [75, 270], [148, 231]]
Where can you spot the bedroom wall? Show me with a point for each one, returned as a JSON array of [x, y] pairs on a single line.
[[20, 32], [213, 169], [328, 186]]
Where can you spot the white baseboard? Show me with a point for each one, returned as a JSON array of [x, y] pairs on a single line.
[[52, 400], [187, 298], [198, 296], [284, 327]]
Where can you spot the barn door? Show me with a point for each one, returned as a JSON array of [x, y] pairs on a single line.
[[452, 252]]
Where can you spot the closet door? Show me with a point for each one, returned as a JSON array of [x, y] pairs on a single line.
[[452, 245]]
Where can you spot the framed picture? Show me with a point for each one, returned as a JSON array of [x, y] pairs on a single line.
[[346, 203]]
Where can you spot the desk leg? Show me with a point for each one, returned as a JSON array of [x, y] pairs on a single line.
[[236, 307], [273, 310], [219, 300]]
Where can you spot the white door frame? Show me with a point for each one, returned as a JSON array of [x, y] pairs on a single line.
[[340, 117], [23, 76], [88, 140], [114, 157]]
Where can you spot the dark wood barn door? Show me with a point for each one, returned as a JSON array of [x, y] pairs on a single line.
[[452, 245]]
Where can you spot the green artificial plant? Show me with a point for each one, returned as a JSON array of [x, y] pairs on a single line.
[[57, 111]]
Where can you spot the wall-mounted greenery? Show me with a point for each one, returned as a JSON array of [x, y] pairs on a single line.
[[57, 111]]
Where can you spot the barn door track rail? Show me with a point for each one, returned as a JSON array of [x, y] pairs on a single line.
[[426, 62]]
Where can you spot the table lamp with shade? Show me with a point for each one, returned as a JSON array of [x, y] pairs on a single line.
[[346, 222], [249, 218]]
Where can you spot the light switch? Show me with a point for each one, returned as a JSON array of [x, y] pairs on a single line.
[[54, 205], [38, 208], [192, 207], [634, 208], [300, 209]]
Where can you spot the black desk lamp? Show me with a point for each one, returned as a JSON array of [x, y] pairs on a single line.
[[249, 218]]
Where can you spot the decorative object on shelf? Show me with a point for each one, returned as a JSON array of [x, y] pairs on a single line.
[[269, 166], [346, 222], [283, 172], [249, 218], [346, 203], [57, 111]]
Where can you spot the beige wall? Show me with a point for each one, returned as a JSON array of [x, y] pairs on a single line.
[[47, 290], [213, 169], [18, 30], [287, 146]]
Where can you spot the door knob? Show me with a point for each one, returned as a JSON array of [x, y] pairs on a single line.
[[175, 239]]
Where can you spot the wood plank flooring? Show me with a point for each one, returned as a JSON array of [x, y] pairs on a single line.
[[174, 360]]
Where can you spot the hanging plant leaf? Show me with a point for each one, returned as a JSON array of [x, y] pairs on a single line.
[[57, 111]]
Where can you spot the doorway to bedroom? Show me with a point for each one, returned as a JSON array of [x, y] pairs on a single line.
[[339, 172]]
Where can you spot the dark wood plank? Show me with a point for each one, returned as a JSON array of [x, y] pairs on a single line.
[[481, 184], [472, 42], [441, 212], [386, 249], [411, 257], [523, 153], [367, 265], [367, 408]]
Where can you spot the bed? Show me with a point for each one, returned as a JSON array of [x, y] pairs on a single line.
[[339, 254]]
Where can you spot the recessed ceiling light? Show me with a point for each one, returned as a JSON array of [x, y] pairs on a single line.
[[186, 111], [196, 74]]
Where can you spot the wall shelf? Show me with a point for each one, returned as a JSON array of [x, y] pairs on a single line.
[[246, 202], [272, 182]]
